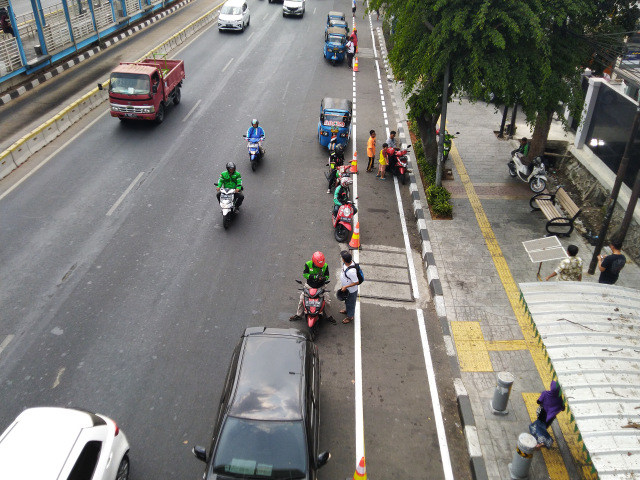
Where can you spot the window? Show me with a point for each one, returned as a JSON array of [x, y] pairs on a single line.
[[87, 461]]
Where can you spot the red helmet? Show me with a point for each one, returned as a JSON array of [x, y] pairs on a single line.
[[318, 259]]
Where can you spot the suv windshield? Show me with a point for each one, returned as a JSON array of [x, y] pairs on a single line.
[[129, 83], [227, 10], [255, 449]]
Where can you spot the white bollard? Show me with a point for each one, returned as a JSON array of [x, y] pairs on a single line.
[[519, 466], [501, 394]]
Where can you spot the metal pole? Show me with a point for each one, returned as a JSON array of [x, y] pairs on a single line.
[[504, 120], [622, 170], [626, 221], [443, 126], [512, 127]]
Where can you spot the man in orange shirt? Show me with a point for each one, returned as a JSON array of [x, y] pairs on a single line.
[[371, 149]]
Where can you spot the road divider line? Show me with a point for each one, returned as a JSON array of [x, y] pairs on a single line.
[[6, 342], [191, 111], [124, 194], [227, 65]]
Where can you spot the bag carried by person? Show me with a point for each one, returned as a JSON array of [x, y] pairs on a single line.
[[359, 272]]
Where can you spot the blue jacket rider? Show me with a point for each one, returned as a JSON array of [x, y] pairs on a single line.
[[256, 133]]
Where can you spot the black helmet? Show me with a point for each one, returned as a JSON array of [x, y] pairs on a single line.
[[339, 148], [342, 295], [231, 166], [255, 122]]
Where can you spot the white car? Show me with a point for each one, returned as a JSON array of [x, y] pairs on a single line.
[[234, 15], [293, 7], [49, 443]]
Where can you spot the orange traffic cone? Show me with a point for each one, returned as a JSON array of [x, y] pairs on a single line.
[[355, 243], [354, 163], [355, 65], [361, 471]]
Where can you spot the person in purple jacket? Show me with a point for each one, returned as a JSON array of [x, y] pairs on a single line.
[[551, 404]]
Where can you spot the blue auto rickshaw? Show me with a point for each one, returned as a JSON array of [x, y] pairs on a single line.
[[335, 46], [334, 127], [336, 22], [333, 15]]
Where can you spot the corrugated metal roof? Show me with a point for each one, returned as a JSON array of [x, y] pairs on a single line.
[[591, 333]]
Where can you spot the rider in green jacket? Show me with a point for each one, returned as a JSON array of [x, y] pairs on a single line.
[[316, 272], [230, 178]]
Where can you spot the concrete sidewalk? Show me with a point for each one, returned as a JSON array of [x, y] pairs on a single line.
[[481, 261]]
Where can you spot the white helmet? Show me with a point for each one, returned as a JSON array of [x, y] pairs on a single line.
[[346, 180]]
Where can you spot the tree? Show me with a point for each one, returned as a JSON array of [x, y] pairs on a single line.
[[531, 52]]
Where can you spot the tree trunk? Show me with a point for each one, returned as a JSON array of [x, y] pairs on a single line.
[[427, 127], [540, 134]]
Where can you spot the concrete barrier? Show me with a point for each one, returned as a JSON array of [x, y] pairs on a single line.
[[62, 122], [36, 140], [20, 151], [50, 130], [6, 164]]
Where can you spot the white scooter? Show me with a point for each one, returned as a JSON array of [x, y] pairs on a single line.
[[534, 175], [227, 205]]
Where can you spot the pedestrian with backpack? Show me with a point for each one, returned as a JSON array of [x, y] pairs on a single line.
[[350, 281]]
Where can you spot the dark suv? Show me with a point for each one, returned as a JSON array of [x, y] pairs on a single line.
[[268, 422]]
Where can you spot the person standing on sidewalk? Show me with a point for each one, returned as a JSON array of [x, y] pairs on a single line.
[[354, 39], [551, 404], [349, 280], [382, 162], [353, 8], [610, 265], [569, 269], [371, 149], [350, 52]]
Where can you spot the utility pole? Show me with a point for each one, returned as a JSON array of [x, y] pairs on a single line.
[[504, 120], [443, 126], [626, 221], [622, 170]]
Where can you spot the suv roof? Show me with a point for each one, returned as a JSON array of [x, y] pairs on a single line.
[[262, 391], [235, 3]]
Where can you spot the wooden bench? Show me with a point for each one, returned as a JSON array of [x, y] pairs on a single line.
[[560, 220]]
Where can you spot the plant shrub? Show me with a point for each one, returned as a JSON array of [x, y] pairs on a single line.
[[438, 198]]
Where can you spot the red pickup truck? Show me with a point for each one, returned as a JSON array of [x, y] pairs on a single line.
[[143, 90]]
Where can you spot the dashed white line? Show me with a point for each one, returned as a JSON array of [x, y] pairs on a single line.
[[227, 65], [6, 342], [191, 111], [126, 192]]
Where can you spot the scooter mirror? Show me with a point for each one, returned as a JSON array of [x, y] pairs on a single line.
[[299, 282]]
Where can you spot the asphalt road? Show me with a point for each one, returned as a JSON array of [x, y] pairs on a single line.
[[135, 314]]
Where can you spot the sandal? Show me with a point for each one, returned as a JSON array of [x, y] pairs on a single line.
[[343, 311], [347, 320]]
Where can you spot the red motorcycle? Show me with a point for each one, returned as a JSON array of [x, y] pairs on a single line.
[[398, 162], [313, 306], [343, 222]]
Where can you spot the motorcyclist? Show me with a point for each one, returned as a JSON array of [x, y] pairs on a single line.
[[230, 178], [341, 194], [336, 158], [256, 134], [316, 273], [391, 159]]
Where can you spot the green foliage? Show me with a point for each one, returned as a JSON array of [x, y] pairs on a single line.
[[438, 198]]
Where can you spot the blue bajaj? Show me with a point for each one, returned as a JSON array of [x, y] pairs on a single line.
[[335, 46], [334, 127]]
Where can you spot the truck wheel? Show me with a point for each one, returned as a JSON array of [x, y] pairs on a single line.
[[177, 96], [160, 113]]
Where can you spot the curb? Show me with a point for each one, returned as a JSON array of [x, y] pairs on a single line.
[[423, 214], [40, 79]]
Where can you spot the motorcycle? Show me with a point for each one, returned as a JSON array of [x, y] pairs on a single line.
[[337, 170], [227, 205], [255, 155], [446, 146], [399, 168], [314, 303], [534, 175], [342, 222]]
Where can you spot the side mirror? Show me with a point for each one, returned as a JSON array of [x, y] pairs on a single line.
[[244, 136], [323, 458], [457, 133], [200, 453], [100, 87], [154, 89]]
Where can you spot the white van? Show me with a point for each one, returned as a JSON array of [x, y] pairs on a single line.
[[234, 15]]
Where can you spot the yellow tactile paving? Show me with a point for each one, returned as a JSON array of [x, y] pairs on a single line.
[[472, 349], [506, 345], [470, 360]]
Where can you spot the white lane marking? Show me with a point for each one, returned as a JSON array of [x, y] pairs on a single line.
[[46, 160], [405, 234], [227, 65], [6, 342], [126, 192], [435, 401], [286, 88], [251, 35], [56, 382], [191, 111]]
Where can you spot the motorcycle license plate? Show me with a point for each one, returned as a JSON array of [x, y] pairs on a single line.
[[226, 197], [313, 302], [345, 220]]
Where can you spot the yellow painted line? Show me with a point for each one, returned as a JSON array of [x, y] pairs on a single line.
[[531, 340], [471, 347], [506, 345]]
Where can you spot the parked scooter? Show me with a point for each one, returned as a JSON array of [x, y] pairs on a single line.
[[314, 303], [534, 174], [227, 205], [343, 222], [255, 154], [398, 162], [446, 146]]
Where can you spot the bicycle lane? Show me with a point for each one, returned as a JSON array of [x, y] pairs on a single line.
[[408, 411]]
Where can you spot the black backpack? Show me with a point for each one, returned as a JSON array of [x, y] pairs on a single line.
[[359, 272]]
